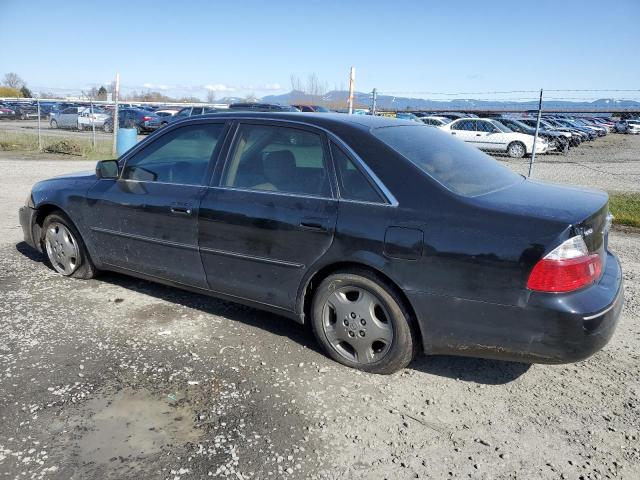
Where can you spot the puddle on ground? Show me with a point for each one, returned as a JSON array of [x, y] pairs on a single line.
[[133, 424]]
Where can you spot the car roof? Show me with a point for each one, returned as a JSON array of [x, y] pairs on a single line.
[[325, 120]]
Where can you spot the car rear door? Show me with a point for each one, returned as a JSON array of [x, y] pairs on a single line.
[[270, 213], [146, 220]]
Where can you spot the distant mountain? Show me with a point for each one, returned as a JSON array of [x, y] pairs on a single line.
[[388, 102]]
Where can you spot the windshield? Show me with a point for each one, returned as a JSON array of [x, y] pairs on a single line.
[[461, 168], [501, 127], [318, 108]]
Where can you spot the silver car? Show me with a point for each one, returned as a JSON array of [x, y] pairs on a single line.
[[67, 118]]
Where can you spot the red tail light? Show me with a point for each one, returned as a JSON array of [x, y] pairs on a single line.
[[567, 268], [146, 119]]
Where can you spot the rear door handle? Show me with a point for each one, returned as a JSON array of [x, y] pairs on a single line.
[[316, 224]]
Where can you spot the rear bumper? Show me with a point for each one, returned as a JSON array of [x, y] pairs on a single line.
[[548, 328], [27, 217]]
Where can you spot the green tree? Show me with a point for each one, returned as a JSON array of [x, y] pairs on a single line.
[[26, 92], [102, 93]]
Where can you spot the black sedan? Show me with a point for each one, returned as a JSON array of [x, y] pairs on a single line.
[[387, 237]]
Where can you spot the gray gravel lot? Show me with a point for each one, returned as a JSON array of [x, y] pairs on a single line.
[[121, 378]]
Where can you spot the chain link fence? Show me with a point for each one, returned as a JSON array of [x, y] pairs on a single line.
[[83, 128]]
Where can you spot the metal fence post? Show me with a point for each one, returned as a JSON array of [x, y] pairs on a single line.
[[374, 101], [535, 136], [352, 80], [39, 134], [93, 123], [116, 123]]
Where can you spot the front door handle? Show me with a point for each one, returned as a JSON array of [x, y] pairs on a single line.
[[315, 224], [181, 210]]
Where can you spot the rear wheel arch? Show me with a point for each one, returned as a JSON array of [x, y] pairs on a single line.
[[306, 296]]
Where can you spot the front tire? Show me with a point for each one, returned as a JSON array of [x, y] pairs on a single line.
[[65, 249], [53, 124], [362, 322], [516, 150]]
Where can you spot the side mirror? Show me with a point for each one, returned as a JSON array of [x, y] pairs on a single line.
[[107, 169]]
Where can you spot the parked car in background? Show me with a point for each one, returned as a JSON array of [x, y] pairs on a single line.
[[261, 107], [23, 110], [322, 218], [435, 121], [6, 112], [408, 116], [557, 141], [490, 135], [312, 108], [90, 117], [67, 118], [633, 126], [141, 120], [621, 126], [185, 113]]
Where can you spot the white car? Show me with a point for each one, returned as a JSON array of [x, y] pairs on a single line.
[[633, 126], [491, 135], [86, 119], [434, 121]]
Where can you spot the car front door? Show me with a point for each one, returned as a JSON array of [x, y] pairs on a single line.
[[464, 129], [146, 220], [270, 214], [69, 117], [486, 136]]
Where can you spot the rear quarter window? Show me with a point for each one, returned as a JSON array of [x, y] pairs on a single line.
[[461, 168]]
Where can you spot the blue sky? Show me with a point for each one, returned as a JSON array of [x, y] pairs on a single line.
[[240, 47]]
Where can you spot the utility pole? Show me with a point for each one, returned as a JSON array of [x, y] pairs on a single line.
[[374, 100], [352, 80], [116, 124], [535, 136]]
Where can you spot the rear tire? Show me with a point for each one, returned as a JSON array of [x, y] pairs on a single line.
[[362, 322], [64, 248], [53, 124], [516, 150]]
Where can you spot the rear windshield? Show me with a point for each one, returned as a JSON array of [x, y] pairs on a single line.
[[461, 168]]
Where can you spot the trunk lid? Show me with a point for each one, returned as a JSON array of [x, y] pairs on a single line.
[[584, 210]]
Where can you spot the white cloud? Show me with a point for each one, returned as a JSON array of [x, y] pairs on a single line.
[[219, 87], [153, 86], [271, 87]]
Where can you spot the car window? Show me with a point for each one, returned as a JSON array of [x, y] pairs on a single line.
[[180, 156], [353, 184], [484, 127], [461, 168], [464, 125], [196, 111], [183, 113], [70, 110], [278, 159]]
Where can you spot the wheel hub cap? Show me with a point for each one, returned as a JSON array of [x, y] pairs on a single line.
[[62, 248], [357, 325]]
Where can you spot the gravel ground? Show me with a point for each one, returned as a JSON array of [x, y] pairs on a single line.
[[121, 378], [610, 163]]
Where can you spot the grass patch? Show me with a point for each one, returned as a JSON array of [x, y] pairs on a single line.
[[625, 208], [75, 146]]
